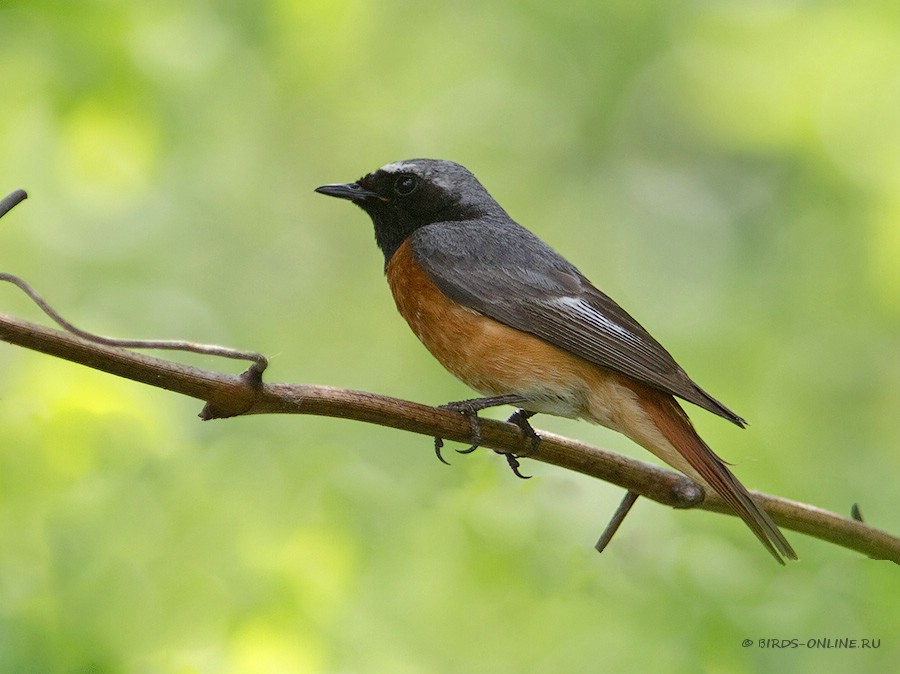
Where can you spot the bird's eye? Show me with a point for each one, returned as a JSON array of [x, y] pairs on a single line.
[[405, 184]]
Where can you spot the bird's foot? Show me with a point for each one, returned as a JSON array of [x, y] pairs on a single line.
[[471, 408], [520, 418]]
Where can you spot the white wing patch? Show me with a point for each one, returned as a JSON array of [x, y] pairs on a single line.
[[591, 315]]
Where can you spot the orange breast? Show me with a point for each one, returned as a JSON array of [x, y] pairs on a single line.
[[492, 358]]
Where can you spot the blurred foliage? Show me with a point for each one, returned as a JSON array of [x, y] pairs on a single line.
[[729, 171]]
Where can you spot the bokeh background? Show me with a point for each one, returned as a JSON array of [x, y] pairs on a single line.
[[729, 171]]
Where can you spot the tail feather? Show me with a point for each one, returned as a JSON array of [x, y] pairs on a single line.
[[677, 428]]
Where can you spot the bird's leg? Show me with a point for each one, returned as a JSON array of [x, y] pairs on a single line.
[[520, 418], [471, 408]]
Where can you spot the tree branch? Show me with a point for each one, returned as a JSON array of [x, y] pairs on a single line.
[[11, 200], [232, 395]]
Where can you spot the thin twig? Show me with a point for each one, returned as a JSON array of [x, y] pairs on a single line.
[[259, 361], [12, 200], [253, 375], [617, 519]]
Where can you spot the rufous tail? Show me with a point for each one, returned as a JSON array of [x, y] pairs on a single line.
[[676, 427]]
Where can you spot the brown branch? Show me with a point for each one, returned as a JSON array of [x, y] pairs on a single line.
[[11, 200], [231, 395]]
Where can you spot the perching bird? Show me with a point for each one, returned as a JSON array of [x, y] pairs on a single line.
[[518, 323]]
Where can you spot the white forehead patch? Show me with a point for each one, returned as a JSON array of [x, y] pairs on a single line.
[[447, 175], [396, 167]]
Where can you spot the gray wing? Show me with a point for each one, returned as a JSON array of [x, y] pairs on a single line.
[[503, 271]]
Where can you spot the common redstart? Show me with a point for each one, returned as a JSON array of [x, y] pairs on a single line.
[[518, 323]]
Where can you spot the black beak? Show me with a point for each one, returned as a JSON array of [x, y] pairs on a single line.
[[351, 191]]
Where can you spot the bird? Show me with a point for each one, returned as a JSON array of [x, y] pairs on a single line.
[[515, 321]]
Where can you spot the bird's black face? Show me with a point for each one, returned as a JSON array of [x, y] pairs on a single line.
[[404, 196]]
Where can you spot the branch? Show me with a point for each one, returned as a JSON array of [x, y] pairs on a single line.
[[232, 395], [11, 200]]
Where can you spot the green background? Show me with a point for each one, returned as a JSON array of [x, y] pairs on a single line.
[[728, 171]]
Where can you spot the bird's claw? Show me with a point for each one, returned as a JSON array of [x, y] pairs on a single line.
[[466, 408], [438, 445], [513, 462]]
